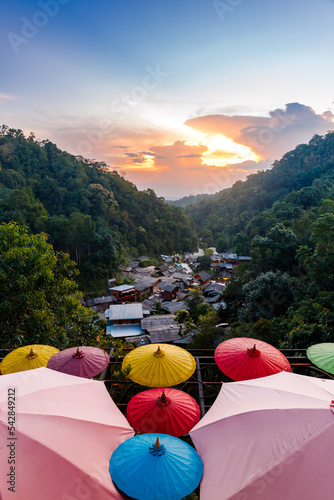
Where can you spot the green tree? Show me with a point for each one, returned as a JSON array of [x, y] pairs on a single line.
[[311, 323], [222, 244], [274, 251], [320, 261], [206, 334], [204, 262], [39, 300], [196, 304], [267, 296]]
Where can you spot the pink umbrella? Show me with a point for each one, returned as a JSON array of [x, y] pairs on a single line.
[[84, 361], [269, 438], [59, 432]]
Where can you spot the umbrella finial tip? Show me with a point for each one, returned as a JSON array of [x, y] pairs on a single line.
[[254, 352], [78, 354], [159, 353], [157, 443], [32, 354]]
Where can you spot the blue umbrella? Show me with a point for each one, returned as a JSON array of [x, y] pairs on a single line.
[[156, 467]]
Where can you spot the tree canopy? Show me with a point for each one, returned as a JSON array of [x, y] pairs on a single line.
[[87, 209], [39, 299]]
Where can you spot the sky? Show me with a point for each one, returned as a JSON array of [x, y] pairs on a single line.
[[183, 97]]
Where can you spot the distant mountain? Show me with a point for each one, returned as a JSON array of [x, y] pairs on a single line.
[[189, 200], [90, 212], [300, 181]]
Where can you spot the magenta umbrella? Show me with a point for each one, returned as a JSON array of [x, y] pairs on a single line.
[[84, 361]]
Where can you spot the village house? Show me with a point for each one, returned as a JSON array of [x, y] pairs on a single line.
[[203, 278], [160, 270], [231, 258], [212, 291], [244, 258], [149, 304], [183, 280], [144, 271], [146, 286], [167, 259], [123, 320], [168, 291], [161, 328], [192, 257], [123, 293], [227, 261], [101, 304], [173, 307]]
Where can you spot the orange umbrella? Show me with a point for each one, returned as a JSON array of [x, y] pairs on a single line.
[[245, 358], [166, 411]]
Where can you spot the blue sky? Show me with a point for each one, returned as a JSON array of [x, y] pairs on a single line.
[[169, 93]]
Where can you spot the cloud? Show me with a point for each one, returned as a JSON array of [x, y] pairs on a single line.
[[147, 153], [7, 97], [195, 179], [269, 136], [178, 156], [175, 161]]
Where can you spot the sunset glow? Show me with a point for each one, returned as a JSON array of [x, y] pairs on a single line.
[[170, 94]]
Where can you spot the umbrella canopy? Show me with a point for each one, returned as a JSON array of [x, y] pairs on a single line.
[[321, 355], [61, 436], [269, 438], [27, 358], [245, 358], [167, 411], [156, 467], [161, 365], [84, 361]]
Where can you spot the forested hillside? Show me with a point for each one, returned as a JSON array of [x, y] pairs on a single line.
[[302, 179], [88, 211], [191, 199], [284, 295]]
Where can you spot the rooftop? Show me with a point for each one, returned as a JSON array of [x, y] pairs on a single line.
[[122, 288], [204, 276], [124, 330], [125, 311], [100, 300], [166, 286]]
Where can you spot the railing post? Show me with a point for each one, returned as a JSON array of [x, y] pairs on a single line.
[[200, 387]]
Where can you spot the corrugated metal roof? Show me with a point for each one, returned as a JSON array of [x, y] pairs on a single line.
[[124, 330], [122, 288], [157, 321], [125, 311]]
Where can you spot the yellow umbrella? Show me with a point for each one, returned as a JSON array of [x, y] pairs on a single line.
[[27, 358], [161, 365]]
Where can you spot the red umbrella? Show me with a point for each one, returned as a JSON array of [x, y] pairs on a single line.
[[167, 411], [84, 361], [244, 358]]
